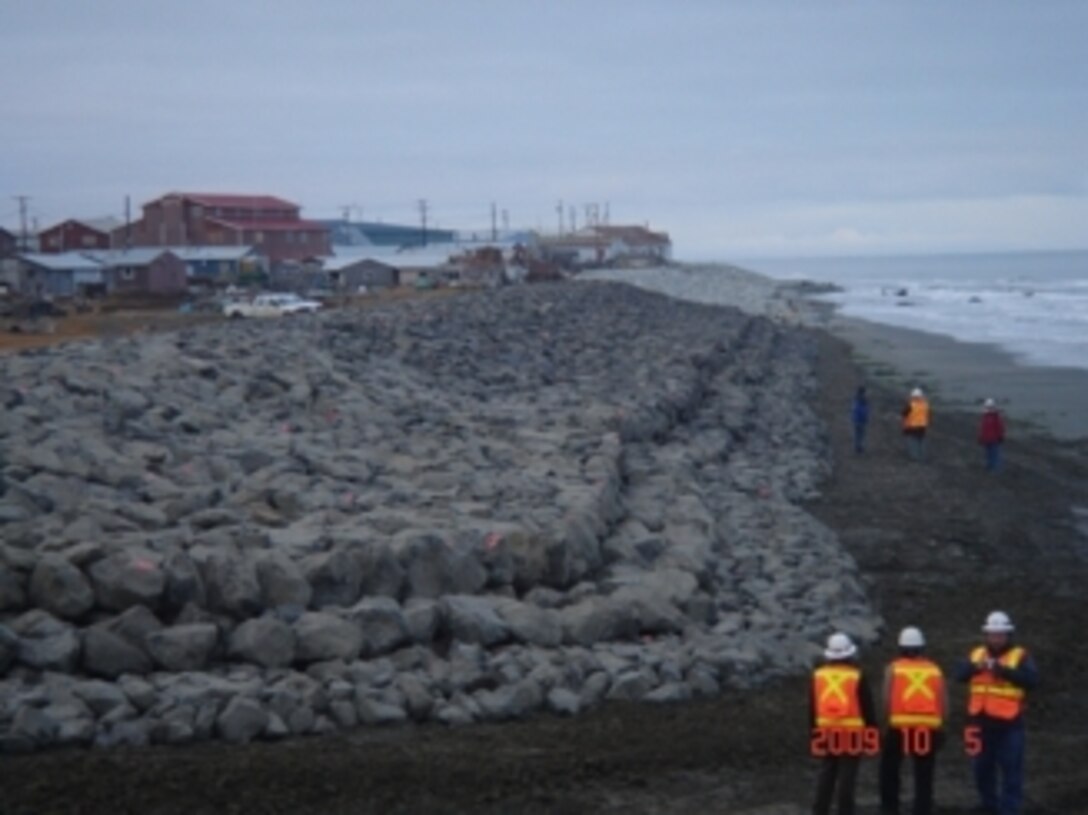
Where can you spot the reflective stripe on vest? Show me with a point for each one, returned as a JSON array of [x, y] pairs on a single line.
[[835, 688], [918, 415], [992, 696], [917, 694]]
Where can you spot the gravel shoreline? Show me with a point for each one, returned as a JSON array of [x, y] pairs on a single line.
[[454, 511]]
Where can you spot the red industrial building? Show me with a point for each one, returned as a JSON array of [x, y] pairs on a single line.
[[76, 235], [272, 226]]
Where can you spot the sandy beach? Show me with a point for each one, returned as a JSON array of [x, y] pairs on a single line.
[[937, 545], [961, 375]]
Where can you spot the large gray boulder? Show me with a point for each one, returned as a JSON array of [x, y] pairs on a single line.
[[335, 577], [12, 595], [321, 636], [383, 625], [126, 579], [183, 647], [99, 696], [632, 685], [109, 655], [474, 619], [35, 726], [60, 588], [375, 710], [423, 618], [46, 643], [529, 623], [241, 721], [435, 567], [282, 582], [9, 648], [184, 584], [232, 586], [510, 701], [382, 573], [133, 624], [264, 641], [598, 619]]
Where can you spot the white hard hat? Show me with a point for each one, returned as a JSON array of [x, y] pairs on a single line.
[[998, 622], [911, 637], [916, 393], [989, 404], [840, 646]]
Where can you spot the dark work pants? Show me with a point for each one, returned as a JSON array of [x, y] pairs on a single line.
[[839, 772], [1002, 751], [891, 759]]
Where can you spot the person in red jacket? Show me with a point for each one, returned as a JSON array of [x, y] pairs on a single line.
[[991, 434]]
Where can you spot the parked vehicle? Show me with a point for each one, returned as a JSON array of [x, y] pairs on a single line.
[[271, 305]]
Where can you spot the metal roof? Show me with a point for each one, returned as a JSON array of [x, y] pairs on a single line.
[[270, 225], [136, 256], [431, 256], [61, 261], [192, 254], [233, 200]]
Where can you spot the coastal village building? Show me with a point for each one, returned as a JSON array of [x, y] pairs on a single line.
[[60, 274], [372, 233], [77, 235], [607, 246], [637, 242], [142, 270], [271, 225], [8, 243]]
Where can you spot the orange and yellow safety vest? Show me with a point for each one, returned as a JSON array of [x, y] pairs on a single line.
[[917, 416], [916, 696], [992, 696], [835, 690]]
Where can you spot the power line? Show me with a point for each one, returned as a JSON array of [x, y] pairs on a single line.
[[423, 219], [24, 238]]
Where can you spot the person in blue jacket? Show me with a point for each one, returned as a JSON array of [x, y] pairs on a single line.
[[859, 414]]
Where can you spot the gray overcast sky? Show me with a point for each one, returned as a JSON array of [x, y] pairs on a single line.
[[744, 128]]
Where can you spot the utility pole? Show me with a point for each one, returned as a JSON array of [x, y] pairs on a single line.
[[24, 238], [573, 218], [506, 220], [423, 219], [607, 219], [494, 223], [559, 210]]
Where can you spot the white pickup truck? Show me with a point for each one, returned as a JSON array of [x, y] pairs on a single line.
[[270, 305]]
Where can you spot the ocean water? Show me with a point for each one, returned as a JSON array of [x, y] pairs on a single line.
[[1034, 305]]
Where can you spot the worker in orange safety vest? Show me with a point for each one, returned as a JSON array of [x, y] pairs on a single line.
[[916, 707], [840, 711], [916, 423], [998, 674]]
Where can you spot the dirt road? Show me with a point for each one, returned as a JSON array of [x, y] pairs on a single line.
[[942, 542]]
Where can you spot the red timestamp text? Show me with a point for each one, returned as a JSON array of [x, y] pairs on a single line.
[[845, 741]]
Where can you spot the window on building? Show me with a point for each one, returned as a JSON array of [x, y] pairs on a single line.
[[289, 236], [88, 240], [303, 237], [198, 211], [258, 237]]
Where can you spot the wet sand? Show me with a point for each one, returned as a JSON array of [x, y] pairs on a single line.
[[961, 375]]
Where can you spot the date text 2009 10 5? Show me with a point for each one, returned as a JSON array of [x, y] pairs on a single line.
[[866, 741]]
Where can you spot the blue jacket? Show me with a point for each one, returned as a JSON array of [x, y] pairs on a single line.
[[860, 411]]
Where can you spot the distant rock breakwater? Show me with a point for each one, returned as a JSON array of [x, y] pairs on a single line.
[[451, 510]]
